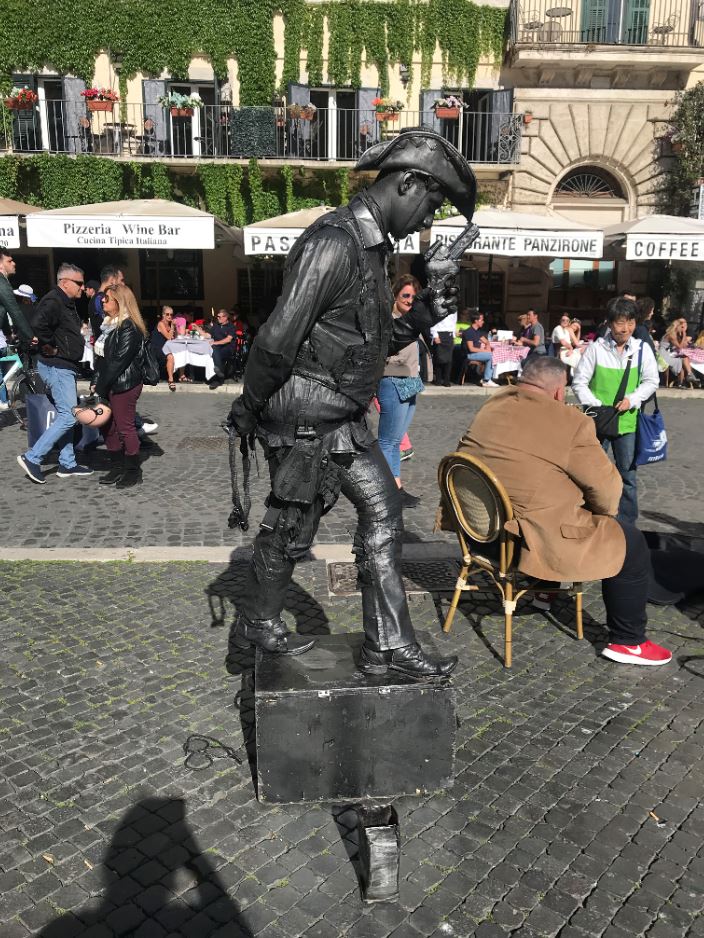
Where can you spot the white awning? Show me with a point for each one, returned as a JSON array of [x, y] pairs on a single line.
[[140, 223], [9, 231], [520, 234], [278, 235], [660, 237]]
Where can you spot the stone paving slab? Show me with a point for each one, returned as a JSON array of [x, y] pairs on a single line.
[[185, 499], [576, 809]]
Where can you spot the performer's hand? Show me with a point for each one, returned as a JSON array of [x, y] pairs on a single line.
[[241, 419], [442, 274]]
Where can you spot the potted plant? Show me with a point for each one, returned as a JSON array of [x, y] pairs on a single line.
[[181, 105], [448, 108], [100, 99], [302, 112], [21, 99], [386, 109]]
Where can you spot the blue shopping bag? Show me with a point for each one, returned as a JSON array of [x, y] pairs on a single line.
[[651, 437]]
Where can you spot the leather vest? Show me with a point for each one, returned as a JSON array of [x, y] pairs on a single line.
[[328, 356]]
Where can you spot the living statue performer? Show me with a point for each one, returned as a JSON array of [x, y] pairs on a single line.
[[311, 374]]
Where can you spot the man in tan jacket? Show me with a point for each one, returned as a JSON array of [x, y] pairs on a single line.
[[565, 494]]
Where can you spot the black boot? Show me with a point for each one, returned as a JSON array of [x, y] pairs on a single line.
[[271, 635], [410, 660], [132, 474], [116, 470]]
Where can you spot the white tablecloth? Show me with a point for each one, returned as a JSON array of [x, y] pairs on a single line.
[[196, 352]]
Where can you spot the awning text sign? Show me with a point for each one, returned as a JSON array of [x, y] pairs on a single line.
[[9, 231], [260, 240], [664, 247], [527, 242], [123, 231]]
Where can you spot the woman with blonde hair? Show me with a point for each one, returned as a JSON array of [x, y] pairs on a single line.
[[119, 380], [672, 344]]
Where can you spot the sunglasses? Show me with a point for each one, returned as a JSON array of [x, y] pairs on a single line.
[[406, 296], [80, 283]]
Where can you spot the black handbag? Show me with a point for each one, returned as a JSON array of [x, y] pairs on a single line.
[[149, 364], [606, 416]]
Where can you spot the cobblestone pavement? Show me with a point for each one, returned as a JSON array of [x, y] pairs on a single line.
[[576, 808], [185, 498]]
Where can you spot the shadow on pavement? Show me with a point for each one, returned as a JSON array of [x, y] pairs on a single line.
[[156, 877]]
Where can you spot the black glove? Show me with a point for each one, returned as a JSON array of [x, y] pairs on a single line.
[[243, 420]]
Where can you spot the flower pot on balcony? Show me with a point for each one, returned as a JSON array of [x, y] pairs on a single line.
[[387, 115], [447, 113], [14, 105], [182, 112], [106, 106], [527, 117]]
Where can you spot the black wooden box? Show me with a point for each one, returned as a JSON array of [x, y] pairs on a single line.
[[325, 732]]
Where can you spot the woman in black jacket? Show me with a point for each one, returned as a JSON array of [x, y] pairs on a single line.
[[119, 377]]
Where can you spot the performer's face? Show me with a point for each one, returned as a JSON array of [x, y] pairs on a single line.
[[416, 206]]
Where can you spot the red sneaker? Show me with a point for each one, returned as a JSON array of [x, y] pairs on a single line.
[[646, 653]]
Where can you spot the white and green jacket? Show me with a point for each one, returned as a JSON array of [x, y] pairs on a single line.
[[599, 372]]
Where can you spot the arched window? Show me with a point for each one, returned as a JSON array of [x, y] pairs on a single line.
[[588, 182]]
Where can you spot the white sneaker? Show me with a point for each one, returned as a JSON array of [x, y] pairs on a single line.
[[489, 384], [149, 426]]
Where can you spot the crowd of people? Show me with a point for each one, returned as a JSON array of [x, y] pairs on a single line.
[[53, 333]]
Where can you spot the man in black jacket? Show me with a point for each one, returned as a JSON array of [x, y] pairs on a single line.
[[57, 326], [310, 376]]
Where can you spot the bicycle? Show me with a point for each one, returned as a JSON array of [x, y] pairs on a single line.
[[17, 382]]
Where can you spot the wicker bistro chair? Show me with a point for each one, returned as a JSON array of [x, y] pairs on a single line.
[[483, 520]]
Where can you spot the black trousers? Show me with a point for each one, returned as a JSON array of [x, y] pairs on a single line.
[[626, 594], [442, 358], [288, 531]]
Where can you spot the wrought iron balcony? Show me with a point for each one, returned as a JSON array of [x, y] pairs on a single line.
[[134, 131], [656, 23]]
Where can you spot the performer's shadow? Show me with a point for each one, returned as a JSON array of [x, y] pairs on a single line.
[[155, 872], [224, 594]]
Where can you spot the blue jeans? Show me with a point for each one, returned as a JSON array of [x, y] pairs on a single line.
[[623, 449], [61, 383], [394, 420], [482, 357]]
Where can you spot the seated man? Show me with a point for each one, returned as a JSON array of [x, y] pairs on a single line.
[[565, 493], [478, 348], [224, 336]]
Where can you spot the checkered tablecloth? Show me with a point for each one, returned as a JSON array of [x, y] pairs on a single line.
[[502, 352], [695, 355]]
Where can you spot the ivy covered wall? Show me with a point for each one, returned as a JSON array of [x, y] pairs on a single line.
[[158, 35], [235, 193]]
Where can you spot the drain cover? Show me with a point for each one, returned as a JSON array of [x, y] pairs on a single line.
[[419, 576], [204, 443]]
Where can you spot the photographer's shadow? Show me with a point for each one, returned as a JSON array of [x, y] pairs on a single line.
[[154, 871]]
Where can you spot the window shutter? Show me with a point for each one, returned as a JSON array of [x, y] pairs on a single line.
[[369, 127], [74, 108], [152, 90]]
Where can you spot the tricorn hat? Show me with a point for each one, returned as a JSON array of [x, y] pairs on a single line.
[[427, 152]]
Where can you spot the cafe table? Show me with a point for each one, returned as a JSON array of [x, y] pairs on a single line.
[[195, 352]]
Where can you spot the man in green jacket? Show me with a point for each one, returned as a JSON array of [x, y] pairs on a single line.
[[12, 319]]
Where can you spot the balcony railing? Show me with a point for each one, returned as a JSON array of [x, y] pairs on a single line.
[[656, 23], [224, 132]]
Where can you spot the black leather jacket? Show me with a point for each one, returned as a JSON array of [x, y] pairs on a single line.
[[318, 358], [57, 325], [120, 368]]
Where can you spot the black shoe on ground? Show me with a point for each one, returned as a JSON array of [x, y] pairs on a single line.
[[410, 661], [32, 469], [215, 383], [271, 635], [77, 471], [131, 475], [408, 500]]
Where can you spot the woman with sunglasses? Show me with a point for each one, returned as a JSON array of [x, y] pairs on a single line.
[[398, 388], [119, 380], [164, 332]]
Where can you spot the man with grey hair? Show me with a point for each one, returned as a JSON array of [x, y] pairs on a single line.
[[57, 327], [565, 493]]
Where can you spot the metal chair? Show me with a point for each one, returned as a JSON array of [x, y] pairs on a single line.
[[481, 514], [663, 30], [531, 21]]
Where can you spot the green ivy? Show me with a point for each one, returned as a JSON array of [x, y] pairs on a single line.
[[687, 124], [67, 35]]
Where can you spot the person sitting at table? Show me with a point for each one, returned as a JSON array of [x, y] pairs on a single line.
[[533, 336], [164, 332], [576, 327], [672, 346], [478, 348], [563, 338], [181, 325], [224, 336], [699, 341]]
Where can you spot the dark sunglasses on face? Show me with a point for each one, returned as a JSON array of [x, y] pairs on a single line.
[[78, 282], [406, 296]]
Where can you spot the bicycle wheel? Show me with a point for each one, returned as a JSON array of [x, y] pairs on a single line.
[[17, 398]]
